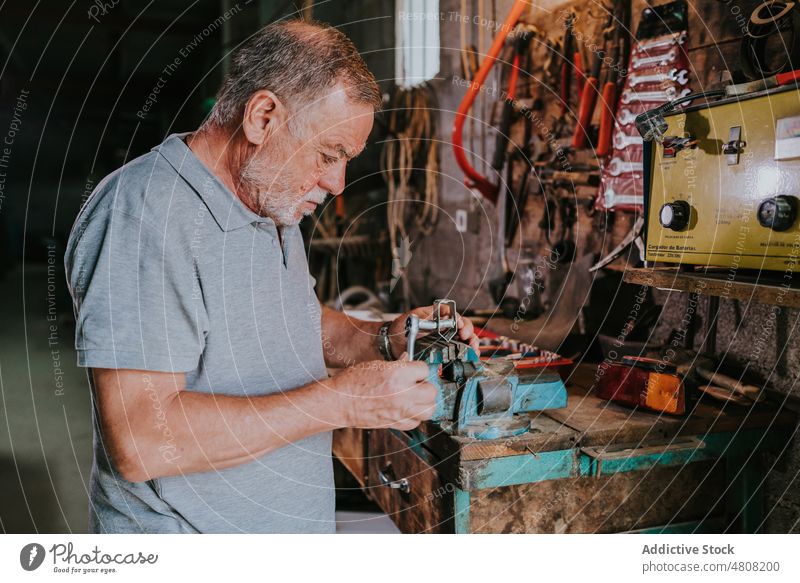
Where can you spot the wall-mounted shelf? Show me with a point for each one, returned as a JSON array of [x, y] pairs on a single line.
[[763, 288]]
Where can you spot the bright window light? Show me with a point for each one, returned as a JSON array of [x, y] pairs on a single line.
[[417, 32]]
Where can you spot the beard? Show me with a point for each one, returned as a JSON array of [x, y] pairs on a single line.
[[272, 188]]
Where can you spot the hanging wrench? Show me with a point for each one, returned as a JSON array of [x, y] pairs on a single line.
[[619, 166], [680, 77], [623, 140], [639, 62], [656, 96], [626, 117], [674, 39], [613, 199]]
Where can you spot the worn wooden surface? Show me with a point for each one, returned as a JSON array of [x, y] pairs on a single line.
[[590, 421], [350, 447], [669, 278], [546, 434], [428, 505], [431, 461], [586, 421], [606, 504]]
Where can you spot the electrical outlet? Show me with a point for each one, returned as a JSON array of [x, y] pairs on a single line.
[[462, 219]]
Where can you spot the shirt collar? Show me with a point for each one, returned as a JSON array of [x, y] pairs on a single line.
[[228, 211]]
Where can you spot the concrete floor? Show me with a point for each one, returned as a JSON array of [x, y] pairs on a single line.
[[45, 412]]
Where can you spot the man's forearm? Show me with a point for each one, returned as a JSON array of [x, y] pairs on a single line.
[[347, 341], [201, 432]]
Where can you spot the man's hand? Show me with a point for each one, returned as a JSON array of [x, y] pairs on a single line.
[[397, 329], [380, 394]]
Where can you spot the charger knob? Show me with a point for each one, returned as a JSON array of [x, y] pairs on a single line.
[[674, 215]]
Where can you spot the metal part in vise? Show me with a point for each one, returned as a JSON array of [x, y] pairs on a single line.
[[481, 400], [444, 329]]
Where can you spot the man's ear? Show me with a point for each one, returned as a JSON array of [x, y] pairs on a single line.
[[263, 114]]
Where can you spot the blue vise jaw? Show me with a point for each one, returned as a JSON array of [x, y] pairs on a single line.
[[481, 400], [497, 401]]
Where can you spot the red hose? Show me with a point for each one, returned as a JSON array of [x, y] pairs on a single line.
[[475, 179]]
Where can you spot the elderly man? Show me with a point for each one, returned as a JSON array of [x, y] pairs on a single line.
[[196, 314]]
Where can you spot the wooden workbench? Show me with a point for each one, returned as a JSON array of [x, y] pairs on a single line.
[[593, 466], [763, 288]]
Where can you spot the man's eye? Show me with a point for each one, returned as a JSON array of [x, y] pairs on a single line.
[[328, 160]]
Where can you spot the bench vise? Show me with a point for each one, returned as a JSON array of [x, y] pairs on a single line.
[[481, 400]]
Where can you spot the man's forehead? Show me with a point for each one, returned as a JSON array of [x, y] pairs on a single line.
[[338, 123], [343, 135]]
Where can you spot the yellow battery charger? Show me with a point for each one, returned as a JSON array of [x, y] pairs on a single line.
[[723, 187]]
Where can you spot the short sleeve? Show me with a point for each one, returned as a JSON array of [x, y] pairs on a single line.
[[138, 301]]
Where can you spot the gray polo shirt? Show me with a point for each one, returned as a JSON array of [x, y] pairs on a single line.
[[169, 271]]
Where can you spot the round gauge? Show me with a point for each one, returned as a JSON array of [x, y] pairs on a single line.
[[777, 213]]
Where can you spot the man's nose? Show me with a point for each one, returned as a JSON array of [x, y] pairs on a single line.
[[333, 180]]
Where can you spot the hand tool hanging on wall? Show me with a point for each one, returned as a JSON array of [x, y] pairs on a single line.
[[580, 78], [634, 237], [589, 98], [498, 286], [514, 201], [518, 198], [661, 58], [564, 249], [475, 179], [566, 65], [609, 104], [521, 43]]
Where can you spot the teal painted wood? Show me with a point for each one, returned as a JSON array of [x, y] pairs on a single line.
[[714, 446], [633, 463], [518, 469], [461, 502], [740, 450], [554, 465]]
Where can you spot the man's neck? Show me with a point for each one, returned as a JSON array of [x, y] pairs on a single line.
[[222, 155]]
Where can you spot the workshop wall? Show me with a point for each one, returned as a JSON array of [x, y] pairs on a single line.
[[760, 339], [462, 264]]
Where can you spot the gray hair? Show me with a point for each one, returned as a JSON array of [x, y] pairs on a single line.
[[297, 61]]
